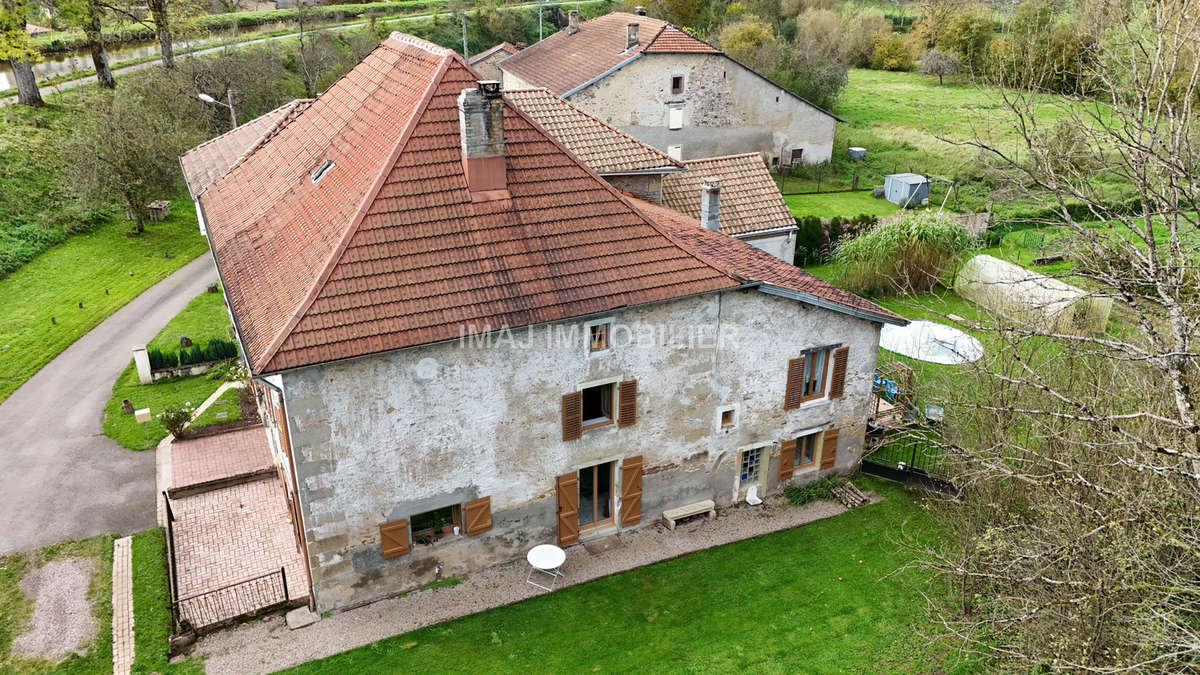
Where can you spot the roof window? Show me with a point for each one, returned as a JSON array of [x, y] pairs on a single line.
[[321, 171]]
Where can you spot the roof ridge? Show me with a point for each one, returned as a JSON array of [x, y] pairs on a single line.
[[617, 193], [615, 130], [419, 43], [314, 291], [721, 157]]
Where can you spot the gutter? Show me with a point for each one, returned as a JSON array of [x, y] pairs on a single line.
[[786, 229], [811, 299], [644, 172], [601, 76]]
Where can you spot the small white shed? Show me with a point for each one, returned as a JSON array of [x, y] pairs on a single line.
[[1030, 298], [906, 189]]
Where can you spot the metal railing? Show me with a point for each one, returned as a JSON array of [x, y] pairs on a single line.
[[203, 612]]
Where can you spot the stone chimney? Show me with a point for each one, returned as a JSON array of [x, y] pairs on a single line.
[[639, 10], [631, 35], [710, 202], [481, 126], [572, 22]]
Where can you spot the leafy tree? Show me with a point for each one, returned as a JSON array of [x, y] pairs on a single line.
[[18, 49], [751, 41], [968, 32], [941, 63], [857, 36], [88, 15], [892, 52], [127, 143]]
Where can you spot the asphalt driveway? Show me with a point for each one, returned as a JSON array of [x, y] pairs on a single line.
[[60, 476]]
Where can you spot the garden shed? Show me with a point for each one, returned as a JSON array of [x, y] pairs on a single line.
[[1034, 299], [906, 189]]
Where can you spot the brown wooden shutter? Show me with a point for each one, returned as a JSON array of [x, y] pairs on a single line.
[[829, 449], [393, 538], [838, 384], [572, 416], [627, 393], [795, 384], [478, 514], [568, 508], [787, 459], [631, 491]]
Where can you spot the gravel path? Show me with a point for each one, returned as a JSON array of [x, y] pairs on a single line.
[[62, 616], [267, 645]]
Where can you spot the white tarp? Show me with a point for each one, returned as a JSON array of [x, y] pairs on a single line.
[[932, 342]]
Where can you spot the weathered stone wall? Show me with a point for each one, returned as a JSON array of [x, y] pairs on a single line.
[[727, 109], [381, 438]]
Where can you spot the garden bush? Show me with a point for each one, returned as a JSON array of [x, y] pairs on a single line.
[[160, 359], [910, 254], [218, 350], [799, 495], [175, 418]]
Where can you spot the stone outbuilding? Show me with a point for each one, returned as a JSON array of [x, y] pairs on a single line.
[[672, 90], [468, 343]]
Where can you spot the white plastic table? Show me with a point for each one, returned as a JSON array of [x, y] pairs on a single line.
[[546, 559]]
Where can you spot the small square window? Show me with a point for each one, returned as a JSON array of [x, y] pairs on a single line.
[[750, 462], [727, 418], [598, 337], [597, 406], [677, 84], [806, 449], [433, 526]]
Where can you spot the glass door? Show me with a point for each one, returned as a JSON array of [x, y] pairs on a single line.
[[596, 496]]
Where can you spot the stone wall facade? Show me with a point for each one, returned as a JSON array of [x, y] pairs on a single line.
[[381, 438], [727, 108]]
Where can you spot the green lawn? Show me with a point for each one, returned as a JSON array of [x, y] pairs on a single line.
[[103, 269], [810, 599], [227, 403], [16, 610], [844, 204], [204, 318], [152, 607]]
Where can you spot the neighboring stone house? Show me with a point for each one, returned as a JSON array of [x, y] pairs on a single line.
[[750, 206], [486, 63], [672, 91], [468, 343]]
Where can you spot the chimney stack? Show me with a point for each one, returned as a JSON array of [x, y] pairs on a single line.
[[572, 22], [641, 11], [481, 126], [710, 202], [631, 35]]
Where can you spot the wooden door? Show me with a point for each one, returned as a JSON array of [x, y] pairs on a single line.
[[631, 491], [568, 508]]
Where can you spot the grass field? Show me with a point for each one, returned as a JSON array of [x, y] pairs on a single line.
[[817, 598], [102, 269], [204, 318], [152, 607], [227, 403], [16, 610], [844, 204]]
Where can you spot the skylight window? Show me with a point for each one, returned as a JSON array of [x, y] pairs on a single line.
[[321, 171]]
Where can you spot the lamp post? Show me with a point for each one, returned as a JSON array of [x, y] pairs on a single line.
[[228, 95]]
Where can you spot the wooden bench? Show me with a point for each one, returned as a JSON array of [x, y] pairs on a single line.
[[672, 515]]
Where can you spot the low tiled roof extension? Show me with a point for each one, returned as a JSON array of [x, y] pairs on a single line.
[[600, 146], [389, 251], [214, 158], [505, 47], [750, 201], [745, 262]]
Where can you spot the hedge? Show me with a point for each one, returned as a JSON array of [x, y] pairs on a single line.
[[216, 350]]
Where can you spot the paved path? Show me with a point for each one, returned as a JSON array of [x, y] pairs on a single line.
[[60, 476], [122, 606]]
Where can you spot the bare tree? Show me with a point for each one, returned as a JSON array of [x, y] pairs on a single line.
[[941, 63], [1076, 542], [16, 47], [316, 53]]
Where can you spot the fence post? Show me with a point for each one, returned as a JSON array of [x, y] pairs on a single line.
[[283, 574]]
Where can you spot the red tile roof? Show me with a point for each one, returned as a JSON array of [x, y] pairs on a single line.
[[505, 47], [743, 261], [388, 250], [214, 158], [600, 146], [563, 62], [750, 201]]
